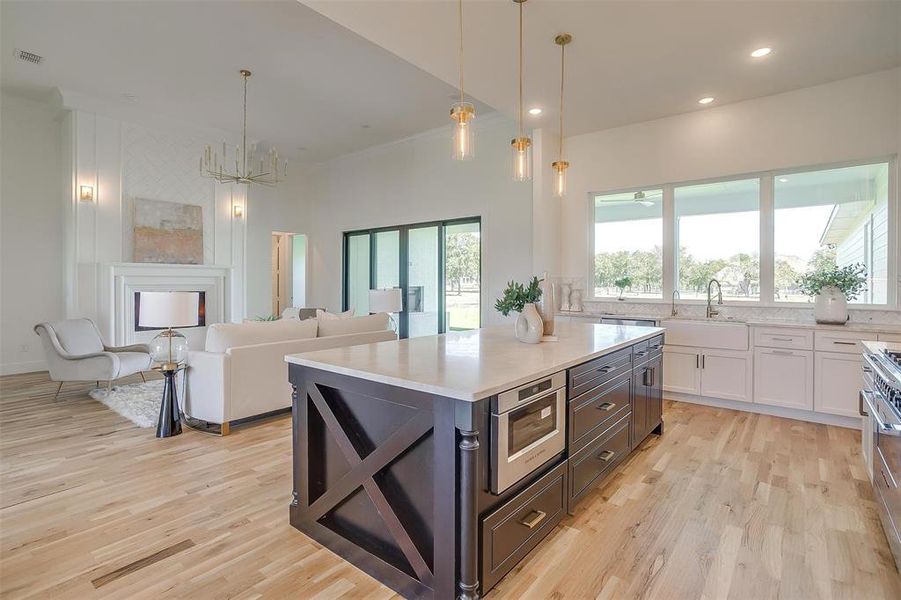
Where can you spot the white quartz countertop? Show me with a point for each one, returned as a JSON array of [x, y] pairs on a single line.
[[471, 365]]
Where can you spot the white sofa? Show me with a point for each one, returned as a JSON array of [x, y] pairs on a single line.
[[241, 372]]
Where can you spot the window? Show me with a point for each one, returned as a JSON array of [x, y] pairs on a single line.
[[628, 244], [756, 235], [436, 265], [718, 236], [832, 216]]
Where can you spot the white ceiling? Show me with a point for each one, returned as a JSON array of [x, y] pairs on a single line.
[[634, 60], [315, 84]]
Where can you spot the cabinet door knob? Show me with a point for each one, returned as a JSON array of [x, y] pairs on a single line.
[[538, 518]]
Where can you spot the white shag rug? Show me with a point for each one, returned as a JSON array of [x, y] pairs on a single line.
[[137, 402]]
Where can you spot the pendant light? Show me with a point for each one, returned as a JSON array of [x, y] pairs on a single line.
[[462, 112], [561, 165], [521, 145]]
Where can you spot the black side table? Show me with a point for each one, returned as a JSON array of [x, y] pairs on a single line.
[[170, 417]]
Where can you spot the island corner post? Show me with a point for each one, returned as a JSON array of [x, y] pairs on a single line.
[[387, 478]]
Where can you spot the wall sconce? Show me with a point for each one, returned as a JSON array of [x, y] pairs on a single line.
[[86, 193], [238, 211]]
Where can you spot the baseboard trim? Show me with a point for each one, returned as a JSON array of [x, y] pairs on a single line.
[[33, 366], [774, 411]]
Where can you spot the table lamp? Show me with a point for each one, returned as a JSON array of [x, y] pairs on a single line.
[[168, 310], [388, 300], [169, 348]]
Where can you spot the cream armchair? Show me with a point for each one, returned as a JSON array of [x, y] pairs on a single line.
[[76, 352]]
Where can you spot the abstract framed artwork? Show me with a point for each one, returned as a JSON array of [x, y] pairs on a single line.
[[168, 232]]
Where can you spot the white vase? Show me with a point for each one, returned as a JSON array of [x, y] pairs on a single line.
[[529, 327], [565, 290], [830, 306]]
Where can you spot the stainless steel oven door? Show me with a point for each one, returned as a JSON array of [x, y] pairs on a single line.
[[528, 428]]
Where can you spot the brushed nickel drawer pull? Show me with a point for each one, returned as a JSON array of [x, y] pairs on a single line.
[[782, 339], [606, 455], [607, 406], [838, 343], [538, 518]]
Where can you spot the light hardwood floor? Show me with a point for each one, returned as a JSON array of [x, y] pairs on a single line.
[[725, 505]]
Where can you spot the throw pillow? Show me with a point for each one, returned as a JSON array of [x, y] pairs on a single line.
[[324, 315]]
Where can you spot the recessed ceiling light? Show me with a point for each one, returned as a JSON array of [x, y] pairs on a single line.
[[706, 100], [783, 179], [761, 52], [535, 111]]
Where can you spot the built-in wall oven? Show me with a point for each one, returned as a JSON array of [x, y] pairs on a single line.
[[528, 428]]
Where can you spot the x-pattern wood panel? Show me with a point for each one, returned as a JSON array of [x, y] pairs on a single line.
[[363, 471]]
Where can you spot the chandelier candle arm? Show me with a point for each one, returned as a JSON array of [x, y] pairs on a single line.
[[268, 174], [561, 165], [521, 146], [462, 112]]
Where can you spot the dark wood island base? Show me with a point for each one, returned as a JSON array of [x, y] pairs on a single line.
[[397, 481]]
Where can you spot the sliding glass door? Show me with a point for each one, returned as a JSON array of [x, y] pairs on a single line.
[[437, 266]]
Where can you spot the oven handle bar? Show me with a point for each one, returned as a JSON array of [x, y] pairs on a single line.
[[889, 429]]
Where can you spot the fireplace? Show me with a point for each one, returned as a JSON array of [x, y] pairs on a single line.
[[201, 312]]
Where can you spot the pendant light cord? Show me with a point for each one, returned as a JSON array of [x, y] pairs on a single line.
[[562, 66], [460, 12], [520, 69], [244, 134]]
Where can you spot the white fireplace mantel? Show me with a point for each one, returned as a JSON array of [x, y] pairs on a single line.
[[120, 281]]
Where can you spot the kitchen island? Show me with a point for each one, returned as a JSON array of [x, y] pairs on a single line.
[[435, 464]]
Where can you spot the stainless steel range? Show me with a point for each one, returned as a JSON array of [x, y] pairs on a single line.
[[881, 404]]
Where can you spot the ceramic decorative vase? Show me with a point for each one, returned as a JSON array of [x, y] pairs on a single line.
[[830, 306], [529, 327], [548, 305], [575, 300]]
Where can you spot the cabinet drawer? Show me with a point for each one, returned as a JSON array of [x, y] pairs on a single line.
[[596, 408], [598, 371], [510, 532], [841, 341], [589, 466], [781, 337], [889, 337], [646, 350]]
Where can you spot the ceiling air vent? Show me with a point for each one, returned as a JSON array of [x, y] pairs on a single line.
[[29, 57]]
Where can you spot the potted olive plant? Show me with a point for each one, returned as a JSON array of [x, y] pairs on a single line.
[[521, 299], [831, 287], [621, 284]]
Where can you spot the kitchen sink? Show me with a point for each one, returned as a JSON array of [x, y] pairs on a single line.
[[706, 333]]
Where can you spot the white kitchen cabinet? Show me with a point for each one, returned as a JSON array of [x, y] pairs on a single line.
[[682, 369], [890, 337], [783, 377], [839, 379], [726, 374]]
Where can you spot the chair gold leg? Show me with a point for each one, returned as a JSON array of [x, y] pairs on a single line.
[[143, 378], [58, 389]]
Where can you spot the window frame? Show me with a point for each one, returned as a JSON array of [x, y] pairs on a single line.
[[403, 259], [766, 204]]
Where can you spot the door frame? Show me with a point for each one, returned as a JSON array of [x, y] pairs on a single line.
[[403, 264]]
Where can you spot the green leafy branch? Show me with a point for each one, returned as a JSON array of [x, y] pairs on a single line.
[[850, 279], [516, 296]]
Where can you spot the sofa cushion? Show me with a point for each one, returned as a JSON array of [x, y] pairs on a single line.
[[324, 315], [330, 327], [222, 336]]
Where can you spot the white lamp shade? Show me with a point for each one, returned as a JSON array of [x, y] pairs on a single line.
[[389, 300], [169, 309]]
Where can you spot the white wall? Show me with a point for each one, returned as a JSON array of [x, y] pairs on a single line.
[[852, 119], [415, 180], [31, 229], [283, 208]]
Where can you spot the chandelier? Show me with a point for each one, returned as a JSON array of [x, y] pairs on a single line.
[[246, 170]]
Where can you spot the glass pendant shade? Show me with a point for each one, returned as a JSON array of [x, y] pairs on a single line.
[[462, 113], [522, 158], [169, 348], [560, 167]]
